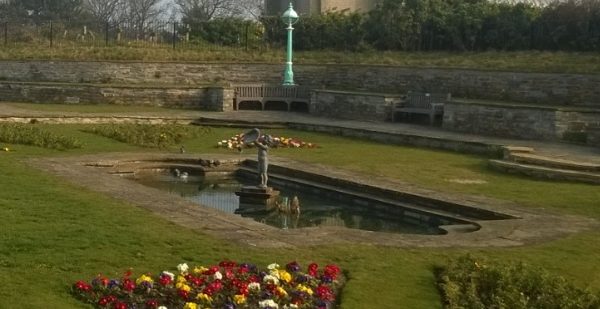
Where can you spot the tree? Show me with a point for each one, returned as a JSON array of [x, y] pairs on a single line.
[[195, 11], [141, 12], [102, 10], [43, 10], [252, 8]]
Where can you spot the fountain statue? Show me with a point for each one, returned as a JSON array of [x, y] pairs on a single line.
[[260, 194]]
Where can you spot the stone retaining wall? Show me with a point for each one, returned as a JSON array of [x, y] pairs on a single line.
[[527, 122], [207, 98], [563, 89], [593, 136], [352, 105]]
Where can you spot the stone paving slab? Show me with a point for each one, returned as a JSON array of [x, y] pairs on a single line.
[[534, 225]]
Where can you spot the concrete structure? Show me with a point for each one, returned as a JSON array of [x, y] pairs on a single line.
[[276, 7]]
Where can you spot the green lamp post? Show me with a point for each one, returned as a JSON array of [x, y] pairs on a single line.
[[289, 17]]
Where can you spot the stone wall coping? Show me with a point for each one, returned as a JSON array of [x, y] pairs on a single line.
[[450, 68], [364, 93], [514, 105], [126, 86]]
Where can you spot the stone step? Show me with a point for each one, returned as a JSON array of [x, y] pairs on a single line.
[[533, 159], [547, 173], [208, 122], [518, 149]]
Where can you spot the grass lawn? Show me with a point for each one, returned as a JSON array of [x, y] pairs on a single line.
[[528, 61], [55, 232]]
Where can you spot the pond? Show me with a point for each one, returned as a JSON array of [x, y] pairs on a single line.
[[317, 210]]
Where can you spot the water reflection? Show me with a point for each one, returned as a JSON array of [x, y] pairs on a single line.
[[314, 210]]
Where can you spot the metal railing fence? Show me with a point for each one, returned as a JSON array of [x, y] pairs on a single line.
[[241, 36]]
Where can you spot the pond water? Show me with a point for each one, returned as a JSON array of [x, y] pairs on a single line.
[[316, 209]]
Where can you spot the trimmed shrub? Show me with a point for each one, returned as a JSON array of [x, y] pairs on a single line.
[[468, 282], [147, 135], [29, 134]]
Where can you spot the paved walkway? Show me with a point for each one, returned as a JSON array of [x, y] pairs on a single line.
[[550, 149]]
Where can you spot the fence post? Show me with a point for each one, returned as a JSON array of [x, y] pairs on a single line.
[[51, 34], [5, 33], [106, 34], [174, 31]]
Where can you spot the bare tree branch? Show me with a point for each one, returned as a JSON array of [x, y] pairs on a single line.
[[102, 10]]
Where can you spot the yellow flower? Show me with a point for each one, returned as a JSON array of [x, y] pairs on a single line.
[[204, 297], [199, 269], [239, 299], [190, 306], [285, 276], [144, 278], [181, 279], [281, 291], [305, 289], [183, 286]]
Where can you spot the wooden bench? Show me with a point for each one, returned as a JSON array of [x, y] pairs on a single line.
[[431, 104]]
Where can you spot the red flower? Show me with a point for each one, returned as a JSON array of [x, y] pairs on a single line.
[[119, 305], [243, 269], [104, 301], [211, 271], [325, 293], [312, 269], [332, 271], [83, 286], [196, 281], [216, 285], [152, 303], [183, 294], [228, 264], [165, 280], [127, 274], [128, 285]]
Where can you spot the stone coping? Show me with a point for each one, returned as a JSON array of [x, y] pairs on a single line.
[[513, 105], [362, 93], [109, 85], [534, 225], [279, 64]]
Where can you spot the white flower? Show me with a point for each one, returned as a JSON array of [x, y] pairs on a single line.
[[254, 286], [273, 266], [168, 274], [162, 307], [272, 279], [183, 268], [275, 273], [268, 303], [218, 276], [290, 306]]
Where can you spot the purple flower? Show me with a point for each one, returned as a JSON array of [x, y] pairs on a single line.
[[114, 282], [266, 295], [293, 267], [326, 279], [229, 306], [321, 304]]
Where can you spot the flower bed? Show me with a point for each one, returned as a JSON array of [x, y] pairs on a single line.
[[226, 285], [236, 142]]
